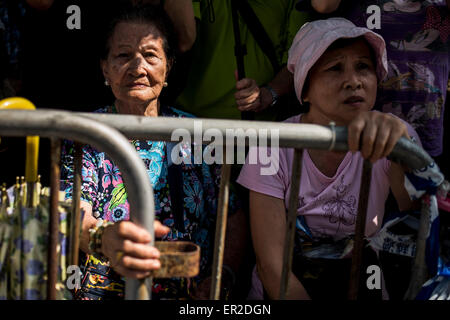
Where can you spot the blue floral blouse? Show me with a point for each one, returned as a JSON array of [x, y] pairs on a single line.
[[103, 188]]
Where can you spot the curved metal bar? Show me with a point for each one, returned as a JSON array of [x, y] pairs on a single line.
[[67, 125], [291, 135]]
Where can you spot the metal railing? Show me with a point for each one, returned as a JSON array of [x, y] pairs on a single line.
[[297, 136], [65, 125]]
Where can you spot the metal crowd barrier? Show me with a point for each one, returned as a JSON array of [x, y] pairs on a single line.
[[297, 136], [65, 125]]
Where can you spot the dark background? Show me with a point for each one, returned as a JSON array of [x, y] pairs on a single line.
[[60, 70]]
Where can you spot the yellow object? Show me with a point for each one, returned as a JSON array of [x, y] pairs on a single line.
[[31, 165]]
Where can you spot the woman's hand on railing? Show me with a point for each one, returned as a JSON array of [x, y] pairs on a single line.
[[125, 244], [375, 134]]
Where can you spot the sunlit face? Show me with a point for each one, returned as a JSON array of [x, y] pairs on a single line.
[[342, 83], [136, 66]]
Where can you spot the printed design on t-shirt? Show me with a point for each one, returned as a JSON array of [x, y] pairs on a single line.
[[435, 31], [418, 78], [416, 116], [341, 209], [301, 202], [407, 6], [421, 78]]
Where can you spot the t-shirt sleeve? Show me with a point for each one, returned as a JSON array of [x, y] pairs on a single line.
[[414, 137], [411, 131], [270, 179], [413, 134]]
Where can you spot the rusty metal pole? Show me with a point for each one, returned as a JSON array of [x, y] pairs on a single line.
[[75, 222], [291, 221], [419, 270], [360, 229], [221, 227], [54, 218]]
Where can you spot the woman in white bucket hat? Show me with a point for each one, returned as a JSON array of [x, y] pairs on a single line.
[[336, 68]]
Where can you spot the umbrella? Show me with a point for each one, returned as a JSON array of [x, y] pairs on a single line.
[[24, 230]]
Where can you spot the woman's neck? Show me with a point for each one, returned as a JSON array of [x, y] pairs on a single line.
[[145, 109], [312, 117], [325, 161]]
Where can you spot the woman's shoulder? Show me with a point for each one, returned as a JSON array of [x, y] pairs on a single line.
[[167, 111], [411, 131], [294, 119], [106, 109]]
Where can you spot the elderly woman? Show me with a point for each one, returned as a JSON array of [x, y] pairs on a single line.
[[336, 67], [137, 59]]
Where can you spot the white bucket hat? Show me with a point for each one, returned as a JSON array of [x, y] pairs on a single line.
[[313, 39]]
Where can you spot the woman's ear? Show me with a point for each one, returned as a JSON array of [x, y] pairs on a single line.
[[103, 65], [305, 95], [169, 66], [305, 90]]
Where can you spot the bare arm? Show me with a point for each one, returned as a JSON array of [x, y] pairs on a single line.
[[396, 181], [325, 6], [236, 240], [375, 135], [236, 245], [268, 228], [181, 12]]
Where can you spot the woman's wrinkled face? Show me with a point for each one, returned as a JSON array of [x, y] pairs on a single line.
[[136, 65], [342, 83]]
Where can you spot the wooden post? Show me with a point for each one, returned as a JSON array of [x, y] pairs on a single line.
[[358, 246], [291, 222]]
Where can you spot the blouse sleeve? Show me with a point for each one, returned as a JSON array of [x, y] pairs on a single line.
[[89, 172]]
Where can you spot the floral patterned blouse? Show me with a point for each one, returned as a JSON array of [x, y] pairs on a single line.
[[103, 188]]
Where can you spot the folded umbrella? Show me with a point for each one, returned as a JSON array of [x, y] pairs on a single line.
[[24, 230]]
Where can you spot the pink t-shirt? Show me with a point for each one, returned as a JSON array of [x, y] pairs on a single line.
[[329, 204]]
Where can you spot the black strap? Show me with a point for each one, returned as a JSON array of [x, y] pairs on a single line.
[[258, 32], [240, 51], [175, 177]]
